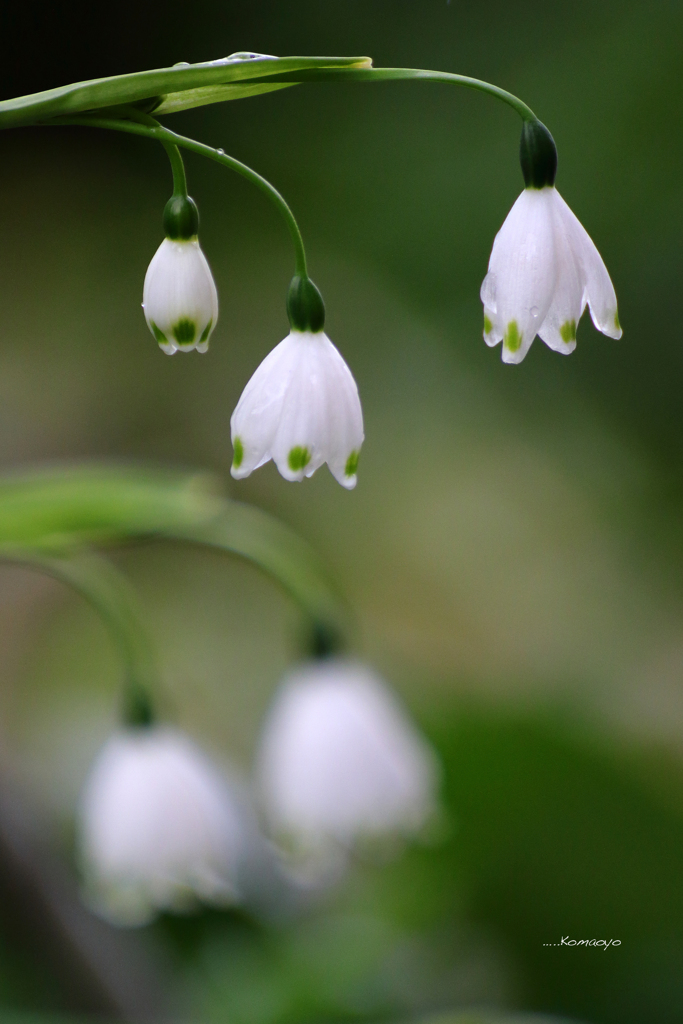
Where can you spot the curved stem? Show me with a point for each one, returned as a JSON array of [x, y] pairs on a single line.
[[53, 513], [178, 169], [172, 151], [167, 137], [109, 593], [397, 74]]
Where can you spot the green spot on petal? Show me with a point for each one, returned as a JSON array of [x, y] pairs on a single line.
[[568, 331], [488, 326], [238, 455], [298, 458], [158, 334], [351, 467], [616, 320], [513, 339], [205, 333], [185, 331]]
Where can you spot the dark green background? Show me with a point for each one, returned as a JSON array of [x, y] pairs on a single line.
[[513, 549]]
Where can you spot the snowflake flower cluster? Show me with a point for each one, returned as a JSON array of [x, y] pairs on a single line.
[[162, 829]]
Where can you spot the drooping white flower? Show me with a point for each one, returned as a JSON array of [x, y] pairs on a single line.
[[339, 759], [544, 269], [179, 298], [301, 409], [158, 828]]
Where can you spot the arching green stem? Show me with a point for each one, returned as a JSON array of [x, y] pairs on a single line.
[[172, 151], [178, 169], [397, 74], [108, 592], [47, 515], [163, 135]]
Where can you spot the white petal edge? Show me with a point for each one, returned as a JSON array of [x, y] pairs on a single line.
[[600, 294]]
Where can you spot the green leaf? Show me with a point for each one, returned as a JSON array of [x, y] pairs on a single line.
[[163, 90]]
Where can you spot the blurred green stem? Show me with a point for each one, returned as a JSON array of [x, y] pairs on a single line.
[[45, 516], [156, 131], [108, 592]]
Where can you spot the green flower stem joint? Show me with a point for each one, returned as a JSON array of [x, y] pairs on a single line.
[[521, 297], [305, 306]]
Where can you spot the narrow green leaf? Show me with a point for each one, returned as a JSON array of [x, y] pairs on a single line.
[[175, 101], [150, 88]]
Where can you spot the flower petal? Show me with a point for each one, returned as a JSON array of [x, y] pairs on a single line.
[[518, 289], [300, 443], [599, 290], [558, 330], [255, 420], [344, 418]]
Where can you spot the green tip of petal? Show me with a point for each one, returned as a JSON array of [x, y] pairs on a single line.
[[351, 467], [298, 458], [512, 339], [238, 453], [488, 326], [185, 331], [205, 333], [158, 333], [568, 331], [617, 325]]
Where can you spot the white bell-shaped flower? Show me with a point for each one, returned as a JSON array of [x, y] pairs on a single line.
[[544, 269], [179, 297], [300, 409], [158, 828], [339, 759]]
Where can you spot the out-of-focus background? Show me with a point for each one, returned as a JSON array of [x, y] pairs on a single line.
[[514, 548]]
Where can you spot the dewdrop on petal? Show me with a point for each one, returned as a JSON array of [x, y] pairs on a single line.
[[179, 297], [301, 407], [340, 761], [544, 268], [158, 828]]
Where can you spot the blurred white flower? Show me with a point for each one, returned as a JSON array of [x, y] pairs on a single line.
[[301, 409], [179, 297], [339, 759], [157, 828], [543, 270]]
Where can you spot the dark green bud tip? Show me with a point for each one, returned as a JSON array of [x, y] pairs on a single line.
[[137, 707], [181, 218], [537, 155], [324, 640], [305, 306]]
